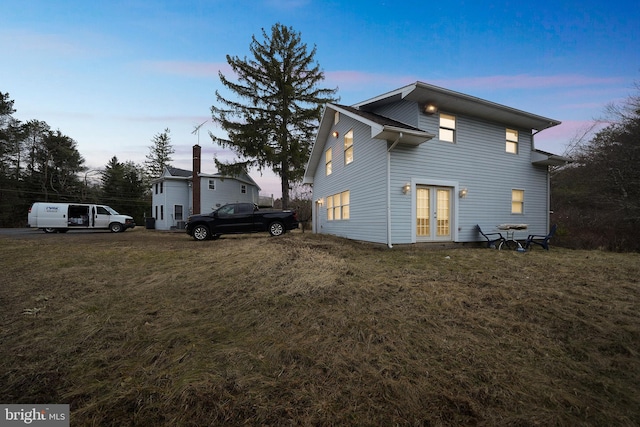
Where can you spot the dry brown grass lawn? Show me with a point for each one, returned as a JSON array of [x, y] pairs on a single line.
[[151, 328]]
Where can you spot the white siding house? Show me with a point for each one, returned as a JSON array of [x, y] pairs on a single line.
[[173, 193], [426, 164]]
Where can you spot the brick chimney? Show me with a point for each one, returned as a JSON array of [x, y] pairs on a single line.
[[195, 185]]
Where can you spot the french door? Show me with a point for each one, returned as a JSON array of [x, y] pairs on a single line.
[[433, 213]]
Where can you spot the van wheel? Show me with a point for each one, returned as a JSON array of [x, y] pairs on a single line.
[[115, 227], [49, 230]]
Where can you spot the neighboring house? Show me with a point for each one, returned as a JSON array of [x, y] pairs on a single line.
[[179, 193], [426, 164]]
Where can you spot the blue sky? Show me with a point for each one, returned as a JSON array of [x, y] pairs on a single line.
[[112, 74]]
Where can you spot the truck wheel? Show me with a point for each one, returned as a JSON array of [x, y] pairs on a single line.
[[49, 230], [201, 232], [276, 228], [115, 227]]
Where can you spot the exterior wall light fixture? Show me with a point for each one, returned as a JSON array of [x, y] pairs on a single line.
[[430, 109], [406, 188], [463, 193], [335, 134]]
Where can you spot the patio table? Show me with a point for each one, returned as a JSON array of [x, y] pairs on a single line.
[[510, 230]]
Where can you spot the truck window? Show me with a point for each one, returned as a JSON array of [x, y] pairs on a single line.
[[245, 208]]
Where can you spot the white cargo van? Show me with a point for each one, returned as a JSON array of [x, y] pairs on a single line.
[[62, 217]]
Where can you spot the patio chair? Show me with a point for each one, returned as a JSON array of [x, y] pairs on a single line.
[[492, 238], [541, 240]]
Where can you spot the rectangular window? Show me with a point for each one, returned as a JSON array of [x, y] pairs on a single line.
[[517, 201], [512, 141], [447, 128], [156, 188], [177, 212], [336, 118], [243, 189], [161, 187], [348, 147], [212, 184], [161, 212], [327, 160], [338, 206]]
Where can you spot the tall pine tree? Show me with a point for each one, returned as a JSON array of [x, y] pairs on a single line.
[[159, 154], [274, 119]]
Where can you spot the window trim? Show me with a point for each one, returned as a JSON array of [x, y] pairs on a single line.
[[342, 210], [453, 129], [348, 148], [511, 142], [516, 202], [177, 217]]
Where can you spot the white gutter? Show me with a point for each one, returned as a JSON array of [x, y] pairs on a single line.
[[389, 189]]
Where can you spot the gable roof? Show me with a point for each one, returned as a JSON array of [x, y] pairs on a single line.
[[382, 128], [449, 100], [178, 172], [186, 175]]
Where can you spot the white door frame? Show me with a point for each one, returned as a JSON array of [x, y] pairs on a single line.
[[426, 182]]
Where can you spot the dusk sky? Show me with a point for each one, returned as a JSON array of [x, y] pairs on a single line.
[[112, 74]]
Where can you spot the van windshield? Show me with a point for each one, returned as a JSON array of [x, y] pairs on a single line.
[[111, 211]]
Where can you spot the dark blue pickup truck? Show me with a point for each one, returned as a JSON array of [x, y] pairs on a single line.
[[238, 218]]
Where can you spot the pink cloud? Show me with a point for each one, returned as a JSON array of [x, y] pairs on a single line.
[[558, 138], [351, 78]]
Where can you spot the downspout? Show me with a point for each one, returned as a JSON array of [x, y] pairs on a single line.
[[389, 189]]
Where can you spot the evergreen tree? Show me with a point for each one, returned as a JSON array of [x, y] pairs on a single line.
[[123, 188], [159, 154], [274, 122]]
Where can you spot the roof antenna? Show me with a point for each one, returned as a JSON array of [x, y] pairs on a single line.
[[196, 130]]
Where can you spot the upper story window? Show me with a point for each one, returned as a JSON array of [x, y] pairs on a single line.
[[447, 128], [512, 141], [243, 189], [212, 184], [517, 201], [328, 156], [348, 147], [336, 118]]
